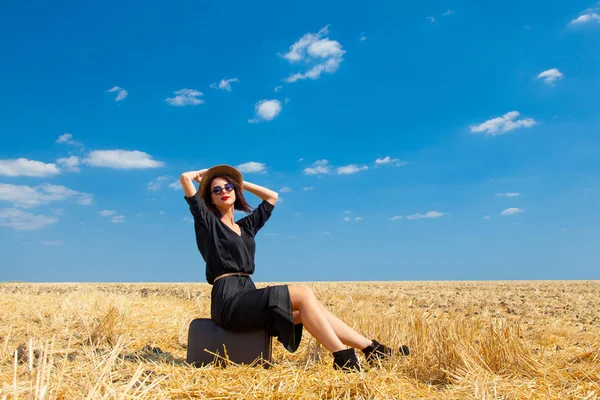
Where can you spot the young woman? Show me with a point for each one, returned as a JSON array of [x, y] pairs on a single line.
[[228, 248]]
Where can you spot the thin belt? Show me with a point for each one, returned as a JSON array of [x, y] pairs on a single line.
[[230, 274]]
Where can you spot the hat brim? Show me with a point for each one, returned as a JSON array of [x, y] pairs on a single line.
[[217, 170]]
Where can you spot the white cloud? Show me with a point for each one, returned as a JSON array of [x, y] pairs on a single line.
[[509, 194], [429, 214], [277, 88], [285, 189], [175, 185], [503, 124], [307, 188], [121, 93], [351, 169], [118, 219], [389, 160], [21, 220], [550, 76], [267, 109], [318, 167], [585, 18], [511, 211], [67, 138], [357, 218], [107, 213], [58, 211], [396, 218], [431, 19], [362, 37], [157, 183], [447, 13], [52, 242], [27, 197], [251, 167], [487, 217], [121, 159], [25, 167], [224, 84], [188, 219], [347, 212], [315, 49], [253, 121], [70, 163], [347, 219], [185, 97]]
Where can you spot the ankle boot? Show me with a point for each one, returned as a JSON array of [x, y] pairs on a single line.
[[346, 360], [377, 351]]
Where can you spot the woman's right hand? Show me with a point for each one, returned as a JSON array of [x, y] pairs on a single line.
[[200, 174]]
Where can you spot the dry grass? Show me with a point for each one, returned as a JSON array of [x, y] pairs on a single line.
[[497, 340]]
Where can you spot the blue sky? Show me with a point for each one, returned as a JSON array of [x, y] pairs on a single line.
[[439, 141]]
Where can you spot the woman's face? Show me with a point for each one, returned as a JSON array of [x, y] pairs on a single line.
[[220, 194]]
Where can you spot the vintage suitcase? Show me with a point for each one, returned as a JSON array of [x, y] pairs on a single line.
[[238, 347]]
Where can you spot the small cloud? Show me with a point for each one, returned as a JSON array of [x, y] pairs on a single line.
[[431, 19], [277, 88], [58, 211], [586, 18], [292, 236], [503, 124], [162, 212], [121, 159], [118, 219], [188, 219], [157, 183], [24, 196], [253, 121], [362, 37], [121, 93], [389, 160], [511, 211], [21, 220], [185, 97], [429, 214], [175, 185], [347, 219], [25, 167], [316, 51], [53, 243], [300, 159], [447, 13], [509, 194], [357, 218], [550, 76], [224, 84], [347, 212], [70, 163], [487, 217], [351, 169], [307, 188], [318, 167], [396, 218], [267, 109], [285, 189], [107, 213], [251, 167], [67, 138]]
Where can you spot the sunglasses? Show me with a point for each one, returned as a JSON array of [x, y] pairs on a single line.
[[228, 188]]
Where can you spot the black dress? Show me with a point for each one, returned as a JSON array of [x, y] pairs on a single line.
[[236, 303]]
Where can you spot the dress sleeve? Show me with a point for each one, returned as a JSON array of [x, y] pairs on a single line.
[[200, 212], [257, 217]]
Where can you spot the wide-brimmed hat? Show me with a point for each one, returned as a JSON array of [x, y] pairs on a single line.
[[217, 170]]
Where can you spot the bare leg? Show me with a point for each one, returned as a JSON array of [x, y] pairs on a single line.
[[304, 300], [347, 335]]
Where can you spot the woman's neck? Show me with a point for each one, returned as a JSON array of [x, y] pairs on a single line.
[[227, 215]]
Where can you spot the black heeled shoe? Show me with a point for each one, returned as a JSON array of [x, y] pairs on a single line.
[[346, 360], [377, 351]]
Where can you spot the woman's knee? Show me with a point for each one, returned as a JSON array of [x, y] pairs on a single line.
[[301, 294]]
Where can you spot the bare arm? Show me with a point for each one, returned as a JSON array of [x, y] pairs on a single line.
[[262, 192], [186, 179]]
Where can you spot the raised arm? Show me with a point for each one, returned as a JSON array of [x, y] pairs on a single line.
[[186, 179], [262, 192]]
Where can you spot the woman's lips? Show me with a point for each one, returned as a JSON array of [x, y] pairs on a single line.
[[224, 198]]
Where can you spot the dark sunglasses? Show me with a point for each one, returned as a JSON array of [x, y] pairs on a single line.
[[228, 188]]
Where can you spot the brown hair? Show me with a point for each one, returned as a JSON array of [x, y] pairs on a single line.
[[240, 202]]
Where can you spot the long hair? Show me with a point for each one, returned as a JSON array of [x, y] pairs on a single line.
[[240, 201]]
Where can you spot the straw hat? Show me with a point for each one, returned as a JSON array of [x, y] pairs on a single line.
[[216, 170]]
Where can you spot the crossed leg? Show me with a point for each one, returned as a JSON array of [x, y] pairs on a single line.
[[328, 329]]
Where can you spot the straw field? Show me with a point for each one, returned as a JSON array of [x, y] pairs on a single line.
[[484, 340]]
